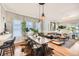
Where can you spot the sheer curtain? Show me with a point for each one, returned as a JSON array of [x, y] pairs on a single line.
[[29, 24], [38, 26], [17, 28]]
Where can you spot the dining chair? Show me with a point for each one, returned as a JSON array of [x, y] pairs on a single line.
[[46, 50], [36, 50], [7, 47], [34, 47], [28, 47]]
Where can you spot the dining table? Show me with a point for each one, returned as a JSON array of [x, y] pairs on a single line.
[[58, 50], [40, 40], [41, 44]]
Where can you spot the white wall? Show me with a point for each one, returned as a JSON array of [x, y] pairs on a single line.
[[46, 25], [2, 18]]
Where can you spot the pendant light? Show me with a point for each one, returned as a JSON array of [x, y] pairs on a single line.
[[42, 17]]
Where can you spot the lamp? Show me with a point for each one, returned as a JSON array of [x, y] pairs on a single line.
[[42, 15]]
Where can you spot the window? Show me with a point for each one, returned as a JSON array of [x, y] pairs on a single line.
[[29, 24], [17, 28], [37, 26]]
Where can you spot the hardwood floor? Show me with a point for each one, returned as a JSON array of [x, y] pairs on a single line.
[[59, 50], [22, 50], [75, 48]]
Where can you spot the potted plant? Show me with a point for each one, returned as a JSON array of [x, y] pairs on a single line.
[[61, 27], [34, 30], [24, 27]]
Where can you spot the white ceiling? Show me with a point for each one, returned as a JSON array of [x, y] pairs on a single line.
[[53, 11]]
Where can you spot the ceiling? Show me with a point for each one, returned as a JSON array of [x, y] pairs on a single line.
[[53, 11]]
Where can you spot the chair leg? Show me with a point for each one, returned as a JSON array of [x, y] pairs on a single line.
[[1, 52], [10, 51], [13, 49], [5, 51]]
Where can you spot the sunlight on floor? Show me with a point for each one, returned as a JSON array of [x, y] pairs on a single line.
[[18, 51]]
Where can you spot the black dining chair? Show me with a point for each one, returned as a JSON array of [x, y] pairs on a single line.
[[46, 51], [8, 47], [29, 45], [33, 46]]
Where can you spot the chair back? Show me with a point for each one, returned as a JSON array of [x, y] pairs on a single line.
[[13, 39], [9, 42]]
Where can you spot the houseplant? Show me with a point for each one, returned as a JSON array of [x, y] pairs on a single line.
[[24, 27], [34, 30]]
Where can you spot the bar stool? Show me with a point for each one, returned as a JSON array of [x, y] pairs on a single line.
[[7, 47]]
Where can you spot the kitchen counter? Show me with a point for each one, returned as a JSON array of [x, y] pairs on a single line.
[[4, 38]]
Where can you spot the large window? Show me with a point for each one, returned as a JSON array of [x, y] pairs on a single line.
[[35, 25], [17, 28], [38, 26], [29, 24]]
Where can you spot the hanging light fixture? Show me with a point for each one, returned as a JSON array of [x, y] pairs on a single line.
[[42, 17]]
